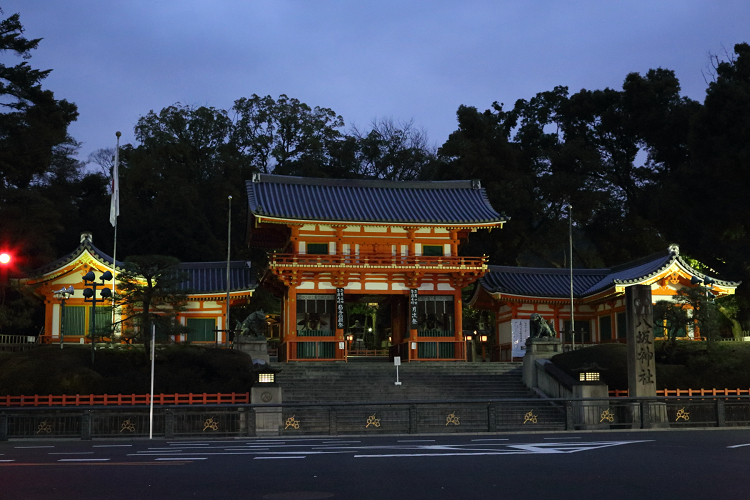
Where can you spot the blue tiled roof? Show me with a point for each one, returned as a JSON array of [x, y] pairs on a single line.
[[202, 277], [555, 282], [316, 199], [211, 277], [540, 282]]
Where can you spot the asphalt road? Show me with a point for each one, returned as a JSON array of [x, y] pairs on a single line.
[[613, 465]]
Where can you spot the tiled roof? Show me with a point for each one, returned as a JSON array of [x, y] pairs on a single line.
[[202, 277], [345, 200], [539, 282], [555, 282], [86, 244], [211, 277]]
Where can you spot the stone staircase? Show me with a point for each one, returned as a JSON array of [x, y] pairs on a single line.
[[323, 382]]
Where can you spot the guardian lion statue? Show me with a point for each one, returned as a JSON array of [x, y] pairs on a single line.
[[540, 328], [254, 325]]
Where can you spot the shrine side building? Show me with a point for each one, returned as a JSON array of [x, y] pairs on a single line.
[[515, 293], [334, 242]]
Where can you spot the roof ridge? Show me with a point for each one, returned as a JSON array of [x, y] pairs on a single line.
[[365, 183]]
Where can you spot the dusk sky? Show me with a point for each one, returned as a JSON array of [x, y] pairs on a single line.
[[366, 60]]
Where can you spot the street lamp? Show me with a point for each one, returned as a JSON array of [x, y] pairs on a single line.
[[706, 283], [62, 295], [483, 341], [89, 295]]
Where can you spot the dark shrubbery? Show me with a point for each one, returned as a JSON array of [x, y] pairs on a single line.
[[178, 369], [694, 365]]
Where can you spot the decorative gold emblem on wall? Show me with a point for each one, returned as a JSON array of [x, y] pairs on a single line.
[[44, 428], [682, 414], [371, 420], [530, 417], [452, 419], [210, 424], [607, 415], [291, 422], [127, 425]]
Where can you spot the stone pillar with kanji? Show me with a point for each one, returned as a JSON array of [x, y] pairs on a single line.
[[639, 324]]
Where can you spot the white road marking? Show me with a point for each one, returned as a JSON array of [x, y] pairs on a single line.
[[184, 458], [7, 460], [30, 447], [739, 445], [507, 449], [71, 453], [111, 445], [246, 449], [475, 440], [561, 438], [415, 441], [439, 454], [276, 458], [83, 460]]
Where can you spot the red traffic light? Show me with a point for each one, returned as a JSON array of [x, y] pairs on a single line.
[[5, 258]]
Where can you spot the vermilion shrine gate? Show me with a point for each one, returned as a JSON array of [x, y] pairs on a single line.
[[394, 244]]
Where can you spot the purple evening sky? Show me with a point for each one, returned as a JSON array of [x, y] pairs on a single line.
[[403, 59]]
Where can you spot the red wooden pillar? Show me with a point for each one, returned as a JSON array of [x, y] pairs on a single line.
[[290, 328], [458, 314]]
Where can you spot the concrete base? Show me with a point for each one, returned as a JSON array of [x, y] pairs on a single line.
[[256, 348], [267, 419], [655, 415], [538, 348], [591, 414]]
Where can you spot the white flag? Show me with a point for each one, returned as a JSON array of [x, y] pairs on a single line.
[[114, 208]]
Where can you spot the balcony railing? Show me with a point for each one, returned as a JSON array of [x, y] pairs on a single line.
[[378, 261]]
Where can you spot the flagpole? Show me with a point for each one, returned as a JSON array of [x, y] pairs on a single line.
[[114, 211], [572, 308]]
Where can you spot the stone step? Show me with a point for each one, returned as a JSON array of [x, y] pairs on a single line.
[[321, 382]]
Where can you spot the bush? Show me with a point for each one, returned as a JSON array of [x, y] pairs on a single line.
[[178, 369], [692, 365]]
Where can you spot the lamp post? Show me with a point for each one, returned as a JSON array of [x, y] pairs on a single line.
[[483, 341], [469, 346], [572, 308], [62, 295], [89, 295], [229, 253], [706, 283]]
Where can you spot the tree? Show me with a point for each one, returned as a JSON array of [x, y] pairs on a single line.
[[35, 151], [284, 136], [392, 151], [714, 183], [151, 291], [32, 122]]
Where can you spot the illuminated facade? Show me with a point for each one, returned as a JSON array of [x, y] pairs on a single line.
[[393, 246], [515, 293], [202, 316]]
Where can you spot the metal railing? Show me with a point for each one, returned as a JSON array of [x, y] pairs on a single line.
[[384, 261], [125, 399], [17, 342], [411, 417]]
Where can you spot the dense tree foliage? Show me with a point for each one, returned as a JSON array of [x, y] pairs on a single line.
[[642, 167], [46, 198]]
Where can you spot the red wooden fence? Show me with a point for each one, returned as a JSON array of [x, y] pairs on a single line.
[[619, 393], [125, 399]]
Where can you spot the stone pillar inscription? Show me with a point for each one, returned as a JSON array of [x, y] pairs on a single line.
[[639, 325]]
